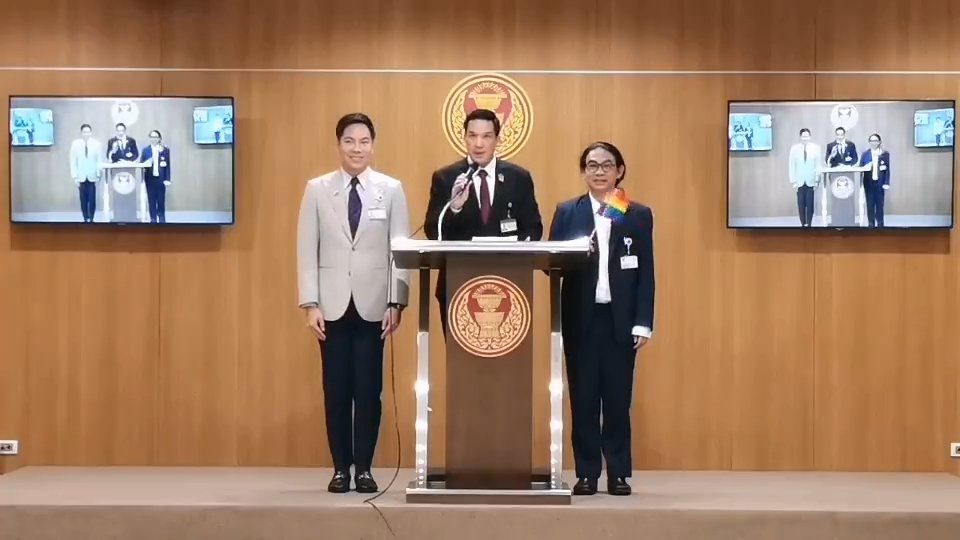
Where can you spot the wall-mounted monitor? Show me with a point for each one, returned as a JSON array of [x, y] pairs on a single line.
[[122, 160], [861, 164], [31, 126]]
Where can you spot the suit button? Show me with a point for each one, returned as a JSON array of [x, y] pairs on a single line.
[[354, 248]]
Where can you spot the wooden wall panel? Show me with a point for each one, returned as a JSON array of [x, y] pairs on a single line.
[[81, 307], [66, 33], [886, 317], [187, 347], [887, 35], [500, 34]]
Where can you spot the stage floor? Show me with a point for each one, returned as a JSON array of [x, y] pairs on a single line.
[[146, 503]]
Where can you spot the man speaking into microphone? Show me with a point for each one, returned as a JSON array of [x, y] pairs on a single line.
[[480, 195]]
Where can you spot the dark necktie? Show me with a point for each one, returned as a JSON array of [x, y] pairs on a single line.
[[86, 149], [354, 207], [484, 197], [804, 153]]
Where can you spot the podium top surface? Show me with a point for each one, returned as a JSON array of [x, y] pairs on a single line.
[[125, 165], [846, 169], [410, 253]]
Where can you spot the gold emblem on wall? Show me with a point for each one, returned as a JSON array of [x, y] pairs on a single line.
[[500, 94], [489, 316]]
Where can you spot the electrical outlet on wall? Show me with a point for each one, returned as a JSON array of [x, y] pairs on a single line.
[[955, 449], [9, 448]]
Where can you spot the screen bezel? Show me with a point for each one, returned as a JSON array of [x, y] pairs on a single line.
[[884, 230], [111, 224]]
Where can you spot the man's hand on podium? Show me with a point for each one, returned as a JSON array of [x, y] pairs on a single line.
[[315, 323]]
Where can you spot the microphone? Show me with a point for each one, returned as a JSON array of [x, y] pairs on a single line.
[[461, 184], [463, 181]]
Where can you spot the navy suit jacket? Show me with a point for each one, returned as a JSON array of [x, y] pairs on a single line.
[[631, 290], [164, 164], [883, 168], [849, 156], [122, 154], [513, 197]]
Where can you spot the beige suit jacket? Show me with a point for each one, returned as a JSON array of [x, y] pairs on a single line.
[[332, 265]]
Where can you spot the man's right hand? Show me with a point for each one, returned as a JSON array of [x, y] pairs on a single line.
[[460, 193], [315, 323]]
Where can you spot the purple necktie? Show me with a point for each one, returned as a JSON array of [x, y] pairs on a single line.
[[354, 206]]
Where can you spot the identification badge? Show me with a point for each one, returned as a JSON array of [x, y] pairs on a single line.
[[377, 213], [883, 167], [163, 163], [629, 262], [508, 225], [849, 158]]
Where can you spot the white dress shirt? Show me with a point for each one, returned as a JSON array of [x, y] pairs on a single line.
[[875, 162], [602, 225], [156, 148]]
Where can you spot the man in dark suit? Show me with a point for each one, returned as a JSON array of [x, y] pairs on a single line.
[[156, 176], [121, 147], [606, 307], [841, 152], [487, 196]]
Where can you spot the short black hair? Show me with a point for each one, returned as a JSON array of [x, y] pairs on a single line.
[[119, 124], [841, 128], [483, 114], [609, 147], [355, 118], [159, 136], [88, 126], [877, 135], [805, 130]]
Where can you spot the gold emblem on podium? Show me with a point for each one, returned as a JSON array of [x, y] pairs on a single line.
[[489, 316], [498, 93]]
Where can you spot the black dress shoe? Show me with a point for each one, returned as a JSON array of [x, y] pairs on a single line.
[[585, 486], [340, 483], [618, 486], [366, 483]]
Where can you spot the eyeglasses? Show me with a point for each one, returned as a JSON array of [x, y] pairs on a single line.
[[606, 166]]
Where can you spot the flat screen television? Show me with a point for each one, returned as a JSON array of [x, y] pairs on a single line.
[[933, 128], [123, 160], [749, 132], [31, 126], [861, 164], [213, 125]]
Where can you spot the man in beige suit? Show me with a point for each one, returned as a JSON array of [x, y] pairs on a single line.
[[352, 292]]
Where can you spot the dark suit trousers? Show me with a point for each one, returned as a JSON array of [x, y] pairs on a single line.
[[156, 199], [88, 200], [352, 383], [874, 195], [600, 375], [805, 204]]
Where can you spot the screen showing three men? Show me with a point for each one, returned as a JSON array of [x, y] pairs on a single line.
[[840, 164], [122, 160]]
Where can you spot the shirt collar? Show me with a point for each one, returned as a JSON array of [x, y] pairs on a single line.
[[594, 203], [491, 167], [364, 178]]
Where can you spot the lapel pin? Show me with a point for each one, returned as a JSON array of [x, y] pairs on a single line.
[[499, 177], [627, 242]]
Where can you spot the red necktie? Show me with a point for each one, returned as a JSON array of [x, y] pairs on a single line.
[[484, 197]]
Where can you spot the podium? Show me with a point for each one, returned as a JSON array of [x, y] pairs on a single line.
[[489, 370], [125, 195], [843, 187]]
